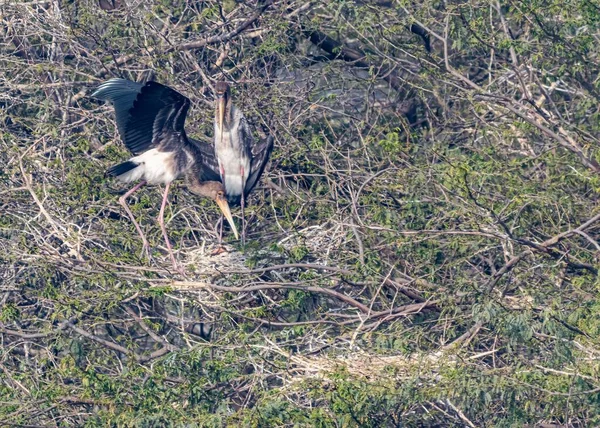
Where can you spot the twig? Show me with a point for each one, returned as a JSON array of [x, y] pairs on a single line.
[[148, 330], [225, 37], [460, 414], [544, 246], [116, 347], [267, 286], [295, 265]]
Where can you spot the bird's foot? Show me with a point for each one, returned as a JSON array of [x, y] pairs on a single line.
[[176, 266], [179, 269], [146, 252]]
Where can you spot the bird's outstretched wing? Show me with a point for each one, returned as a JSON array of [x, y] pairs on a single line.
[[260, 150], [210, 164], [148, 116]]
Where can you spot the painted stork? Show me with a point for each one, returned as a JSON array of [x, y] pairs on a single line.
[[150, 119], [240, 159]]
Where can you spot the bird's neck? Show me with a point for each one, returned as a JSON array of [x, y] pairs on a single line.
[[197, 187]]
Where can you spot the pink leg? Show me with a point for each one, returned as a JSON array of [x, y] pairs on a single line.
[[221, 229], [123, 202], [222, 170], [242, 203], [243, 221], [161, 221], [219, 249]]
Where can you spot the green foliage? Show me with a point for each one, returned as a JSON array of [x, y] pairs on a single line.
[[419, 253]]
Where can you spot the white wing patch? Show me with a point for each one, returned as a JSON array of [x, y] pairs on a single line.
[[154, 167]]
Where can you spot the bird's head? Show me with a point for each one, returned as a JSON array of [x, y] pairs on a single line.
[[216, 191], [222, 95]]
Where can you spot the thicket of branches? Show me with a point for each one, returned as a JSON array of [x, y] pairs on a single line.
[[422, 249]]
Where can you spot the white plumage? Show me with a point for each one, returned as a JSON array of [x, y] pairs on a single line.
[[154, 167], [231, 166], [230, 156]]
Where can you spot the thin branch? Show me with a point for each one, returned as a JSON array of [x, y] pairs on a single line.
[[148, 330], [295, 265], [544, 246], [267, 286], [228, 36], [116, 347]]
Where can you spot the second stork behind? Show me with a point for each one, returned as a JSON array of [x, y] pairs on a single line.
[[241, 159]]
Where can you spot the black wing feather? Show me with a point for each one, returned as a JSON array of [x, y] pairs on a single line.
[[121, 168], [261, 151], [257, 151], [148, 116], [122, 93]]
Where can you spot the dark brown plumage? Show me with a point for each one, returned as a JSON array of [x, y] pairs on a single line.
[[150, 119]]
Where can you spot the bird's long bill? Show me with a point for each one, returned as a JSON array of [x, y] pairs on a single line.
[[224, 206], [221, 102]]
